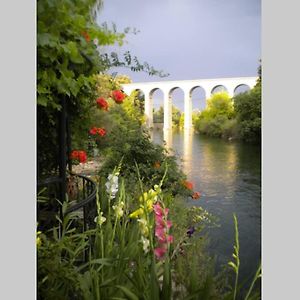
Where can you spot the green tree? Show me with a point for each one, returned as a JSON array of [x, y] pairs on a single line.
[[176, 114], [214, 119], [158, 115], [248, 110]]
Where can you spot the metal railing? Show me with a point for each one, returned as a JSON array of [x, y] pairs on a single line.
[[81, 198]]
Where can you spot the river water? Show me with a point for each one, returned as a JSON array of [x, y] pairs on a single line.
[[228, 175]]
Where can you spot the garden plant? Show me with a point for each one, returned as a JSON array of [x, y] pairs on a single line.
[[144, 242]]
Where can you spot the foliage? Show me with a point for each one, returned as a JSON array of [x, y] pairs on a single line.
[[67, 59], [176, 116], [119, 265], [239, 118], [107, 83], [248, 110], [181, 121], [69, 55], [216, 118], [128, 140], [158, 116]]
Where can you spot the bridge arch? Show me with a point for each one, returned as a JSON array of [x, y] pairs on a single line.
[[176, 95], [210, 86], [156, 98], [219, 88], [241, 88], [199, 93]]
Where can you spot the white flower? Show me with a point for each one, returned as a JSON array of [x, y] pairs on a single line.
[[96, 41], [143, 226], [119, 209], [100, 219], [146, 244], [112, 185]]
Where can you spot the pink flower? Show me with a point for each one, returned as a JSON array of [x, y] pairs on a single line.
[[158, 210], [169, 224], [170, 239], [160, 234], [159, 221], [162, 226], [160, 252]]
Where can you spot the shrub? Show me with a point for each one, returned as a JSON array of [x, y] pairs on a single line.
[[214, 120], [248, 110]]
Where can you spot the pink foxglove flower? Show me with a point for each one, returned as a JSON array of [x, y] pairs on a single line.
[[162, 226], [160, 252]]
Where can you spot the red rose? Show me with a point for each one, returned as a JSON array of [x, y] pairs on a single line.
[[94, 131], [86, 36], [74, 154], [101, 131], [82, 156], [156, 165], [118, 96], [196, 195], [188, 185], [102, 103]]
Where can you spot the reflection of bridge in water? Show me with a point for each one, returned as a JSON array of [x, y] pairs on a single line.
[[188, 86]]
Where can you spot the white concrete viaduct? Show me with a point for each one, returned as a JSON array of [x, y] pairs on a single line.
[[187, 86]]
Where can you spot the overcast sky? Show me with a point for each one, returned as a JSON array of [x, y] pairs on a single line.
[[190, 39]]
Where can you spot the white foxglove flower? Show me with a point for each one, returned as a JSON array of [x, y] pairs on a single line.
[[119, 209], [112, 185], [100, 219], [146, 244]]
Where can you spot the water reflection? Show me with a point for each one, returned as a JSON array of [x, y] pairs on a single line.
[[187, 150], [168, 139], [218, 168]]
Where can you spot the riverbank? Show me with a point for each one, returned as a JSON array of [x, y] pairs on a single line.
[[228, 175]]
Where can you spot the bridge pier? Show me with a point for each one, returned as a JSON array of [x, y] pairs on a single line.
[[207, 96], [187, 110], [149, 109], [167, 110]]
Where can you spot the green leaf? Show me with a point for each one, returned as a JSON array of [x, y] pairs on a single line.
[[42, 100], [43, 39], [100, 261], [232, 265], [127, 292], [167, 287], [75, 56]]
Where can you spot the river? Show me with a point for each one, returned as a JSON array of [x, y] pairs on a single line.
[[228, 175]]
